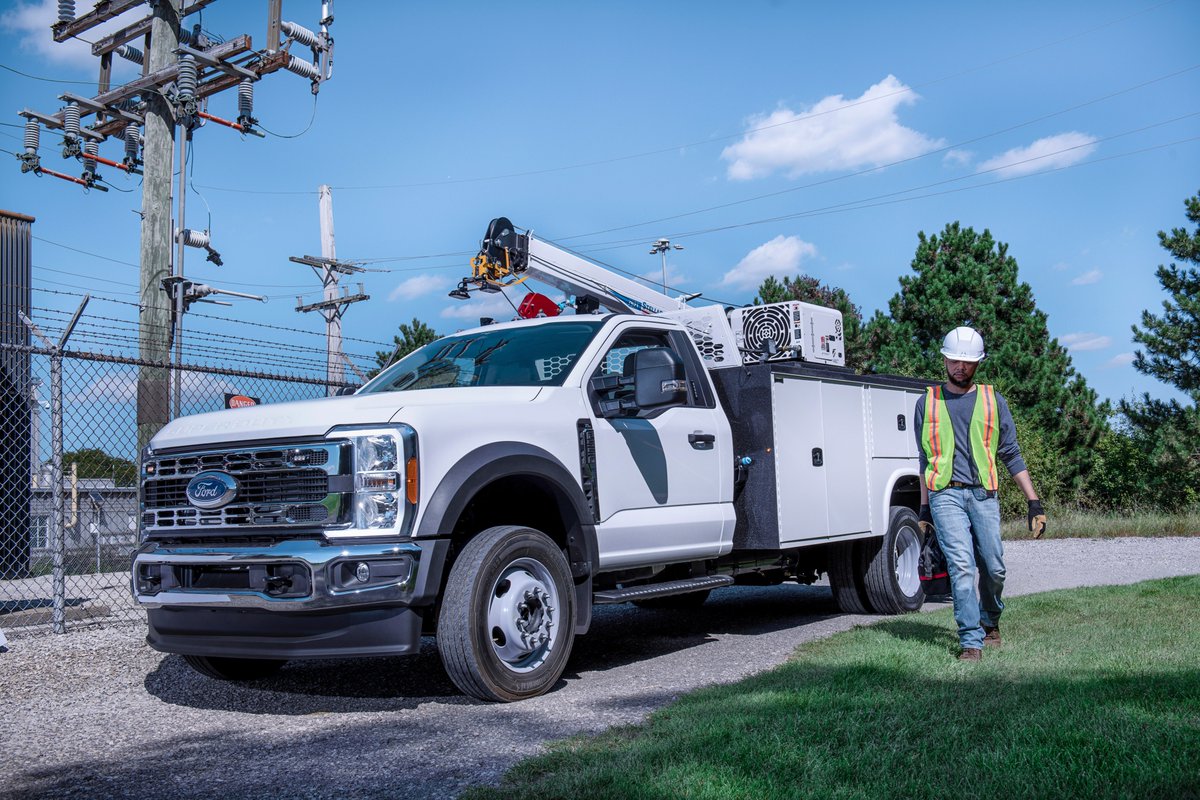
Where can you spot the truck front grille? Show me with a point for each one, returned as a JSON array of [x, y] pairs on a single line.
[[301, 486]]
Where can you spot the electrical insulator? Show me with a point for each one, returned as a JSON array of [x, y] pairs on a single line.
[[133, 141], [188, 37], [188, 78], [29, 159], [71, 119], [66, 10], [130, 53], [193, 238], [301, 34], [90, 149], [245, 100], [302, 68], [70, 114], [33, 134]]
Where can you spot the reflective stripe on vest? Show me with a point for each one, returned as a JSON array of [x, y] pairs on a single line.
[[937, 438]]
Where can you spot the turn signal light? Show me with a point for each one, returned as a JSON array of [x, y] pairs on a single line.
[[410, 481]]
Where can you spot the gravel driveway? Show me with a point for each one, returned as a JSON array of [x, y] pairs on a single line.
[[98, 714]]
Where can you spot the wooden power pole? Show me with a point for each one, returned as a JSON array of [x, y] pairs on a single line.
[[154, 340]]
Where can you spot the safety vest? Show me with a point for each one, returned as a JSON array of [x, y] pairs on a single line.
[[937, 438]]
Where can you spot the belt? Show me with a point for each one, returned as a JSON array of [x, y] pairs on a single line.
[[960, 485]]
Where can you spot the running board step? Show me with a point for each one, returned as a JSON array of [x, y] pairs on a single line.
[[647, 591]]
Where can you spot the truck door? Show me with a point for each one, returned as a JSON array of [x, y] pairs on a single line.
[[664, 476]]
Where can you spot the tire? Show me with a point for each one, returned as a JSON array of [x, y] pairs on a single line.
[[891, 566], [507, 620], [845, 578], [675, 602], [234, 669]]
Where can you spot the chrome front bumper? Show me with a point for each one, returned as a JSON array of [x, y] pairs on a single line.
[[292, 575]]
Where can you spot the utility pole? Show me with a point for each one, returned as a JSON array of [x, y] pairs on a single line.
[[154, 337], [333, 322], [181, 69], [332, 305]]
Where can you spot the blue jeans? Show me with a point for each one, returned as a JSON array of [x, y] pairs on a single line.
[[967, 522]]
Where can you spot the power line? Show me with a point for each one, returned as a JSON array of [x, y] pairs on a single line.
[[47, 80], [858, 205], [714, 139], [898, 162]]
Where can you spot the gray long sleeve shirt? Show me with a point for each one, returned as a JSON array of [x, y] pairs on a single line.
[[961, 407]]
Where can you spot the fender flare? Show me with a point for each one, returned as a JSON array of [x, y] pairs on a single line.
[[899, 474], [497, 460]]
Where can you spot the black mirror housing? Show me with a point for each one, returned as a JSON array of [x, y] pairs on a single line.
[[658, 377]]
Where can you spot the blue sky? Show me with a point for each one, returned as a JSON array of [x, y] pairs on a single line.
[[821, 138]]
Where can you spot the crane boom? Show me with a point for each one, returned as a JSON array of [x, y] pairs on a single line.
[[507, 258]]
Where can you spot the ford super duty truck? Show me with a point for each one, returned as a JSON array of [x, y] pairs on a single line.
[[493, 487]]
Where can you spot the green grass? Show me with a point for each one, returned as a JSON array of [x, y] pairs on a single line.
[[1071, 523], [1096, 694]]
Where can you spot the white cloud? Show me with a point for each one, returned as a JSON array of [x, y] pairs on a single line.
[[417, 286], [1091, 276], [1084, 341], [780, 256], [958, 158], [1061, 266], [488, 305], [1120, 360], [31, 22], [836, 133], [1051, 152]]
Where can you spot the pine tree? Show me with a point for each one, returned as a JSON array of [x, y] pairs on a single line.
[[810, 290], [967, 278], [1172, 340], [1168, 429]]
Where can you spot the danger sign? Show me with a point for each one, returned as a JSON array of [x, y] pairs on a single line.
[[240, 400]]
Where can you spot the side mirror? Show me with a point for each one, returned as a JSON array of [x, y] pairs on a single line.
[[658, 377], [345, 390]]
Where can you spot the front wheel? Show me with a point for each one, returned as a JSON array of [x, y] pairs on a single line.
[[507, 620], [892, 566]]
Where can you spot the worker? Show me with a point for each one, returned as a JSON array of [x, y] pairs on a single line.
[[962, 428]]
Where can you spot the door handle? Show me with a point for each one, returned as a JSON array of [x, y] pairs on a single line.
[[702, 441]]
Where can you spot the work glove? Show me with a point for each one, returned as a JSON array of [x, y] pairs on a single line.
[[1037, 518], [925, 520]]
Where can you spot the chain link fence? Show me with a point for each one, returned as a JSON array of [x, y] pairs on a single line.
[[69, 466]]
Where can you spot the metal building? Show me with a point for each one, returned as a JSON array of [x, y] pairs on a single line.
[[15, 419]]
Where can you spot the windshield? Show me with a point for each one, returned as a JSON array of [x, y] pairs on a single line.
[[537, 355]]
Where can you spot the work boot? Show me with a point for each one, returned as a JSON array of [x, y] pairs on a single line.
[[970, 654], [991, 636]]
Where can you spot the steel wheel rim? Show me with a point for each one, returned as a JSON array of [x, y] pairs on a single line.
[[523, 615], [908, 557]]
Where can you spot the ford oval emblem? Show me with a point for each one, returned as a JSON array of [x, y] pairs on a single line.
[[211, 489]]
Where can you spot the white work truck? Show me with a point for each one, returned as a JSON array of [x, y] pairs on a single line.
[[492, 487]]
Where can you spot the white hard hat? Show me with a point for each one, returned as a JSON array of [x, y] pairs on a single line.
[[963, 344]]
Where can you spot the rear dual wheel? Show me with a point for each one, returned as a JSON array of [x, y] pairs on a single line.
[[879, 575]]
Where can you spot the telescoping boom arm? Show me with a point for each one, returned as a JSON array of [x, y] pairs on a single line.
[[508, 258]]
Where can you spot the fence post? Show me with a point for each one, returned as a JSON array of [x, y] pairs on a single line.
[[58, 536]]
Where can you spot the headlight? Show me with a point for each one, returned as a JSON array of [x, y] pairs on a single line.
[[385, 476]]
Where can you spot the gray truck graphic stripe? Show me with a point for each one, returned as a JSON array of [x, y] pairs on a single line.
[[647, 450]]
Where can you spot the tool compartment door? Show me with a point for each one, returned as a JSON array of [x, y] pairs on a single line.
[[821, 459]]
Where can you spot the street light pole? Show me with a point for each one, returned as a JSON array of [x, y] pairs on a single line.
[[661, 247]]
